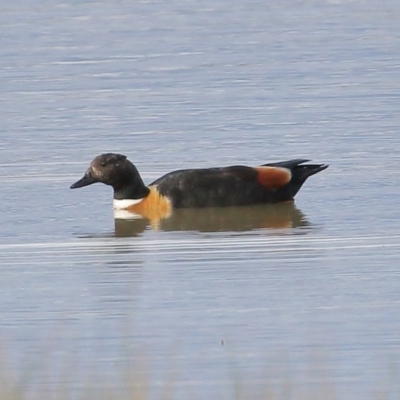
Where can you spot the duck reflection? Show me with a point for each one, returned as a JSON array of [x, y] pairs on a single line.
[[234, 219]]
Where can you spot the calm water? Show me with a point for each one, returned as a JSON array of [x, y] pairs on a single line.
[[307, 293]]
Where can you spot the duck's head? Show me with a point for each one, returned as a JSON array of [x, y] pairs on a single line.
[[114, 170]]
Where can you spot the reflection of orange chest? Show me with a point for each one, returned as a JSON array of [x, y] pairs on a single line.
[[154, 207]]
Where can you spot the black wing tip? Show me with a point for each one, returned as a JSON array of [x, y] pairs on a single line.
[[312, 169], [319, 167], [295, 162], [287, 164]]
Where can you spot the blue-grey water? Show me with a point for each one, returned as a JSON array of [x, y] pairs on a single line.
[[209, 304]]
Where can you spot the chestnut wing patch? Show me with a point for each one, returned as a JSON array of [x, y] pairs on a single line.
[[273, 177], [270, 177]]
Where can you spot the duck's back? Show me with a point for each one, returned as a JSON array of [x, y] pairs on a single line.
[[214, 187]]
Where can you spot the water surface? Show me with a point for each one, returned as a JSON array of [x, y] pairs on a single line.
[[307, 292]]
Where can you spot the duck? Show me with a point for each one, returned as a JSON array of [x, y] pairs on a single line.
[[235, 185]]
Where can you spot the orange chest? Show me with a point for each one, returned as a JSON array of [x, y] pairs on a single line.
[[153, 207]]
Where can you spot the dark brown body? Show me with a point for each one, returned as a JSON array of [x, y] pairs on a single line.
[[236, 185]]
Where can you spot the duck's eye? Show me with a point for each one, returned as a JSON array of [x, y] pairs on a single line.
[[103, 163]]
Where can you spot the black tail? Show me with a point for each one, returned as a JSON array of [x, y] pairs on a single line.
[[300, 173]]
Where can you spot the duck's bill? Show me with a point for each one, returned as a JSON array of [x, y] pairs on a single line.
[[85, 181]]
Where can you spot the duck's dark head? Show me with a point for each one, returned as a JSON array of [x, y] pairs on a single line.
[[117, 171]]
